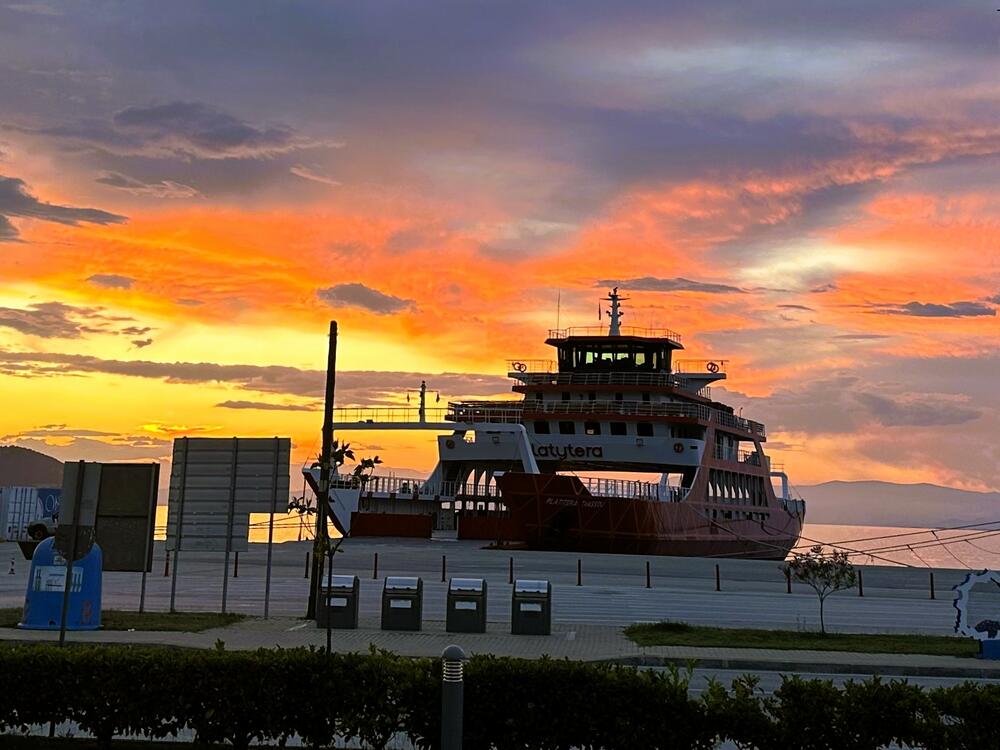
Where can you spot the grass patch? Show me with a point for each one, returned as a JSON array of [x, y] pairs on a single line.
[[113, 619], [682, 634]]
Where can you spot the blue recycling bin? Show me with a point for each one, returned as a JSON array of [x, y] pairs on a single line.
[[46, 586]]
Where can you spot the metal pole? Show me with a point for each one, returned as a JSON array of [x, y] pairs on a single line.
[[444, 567], [323, 501], [180, 526], [375, 568], [236, 564], [75, 528], [270, 528], [326, 603], [718, 580], [306, 574], [788, 581], [510, 572], [649, 582], [229, 522], [166, 564], [861, 584], [579, 572], [147, 564], [452, 698], [932, 584]]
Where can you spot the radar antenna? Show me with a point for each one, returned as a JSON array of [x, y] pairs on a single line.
[[615, 313]]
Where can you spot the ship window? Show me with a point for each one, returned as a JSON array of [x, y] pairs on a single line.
[[640, 358], [645, 396], [592, 396], [541, 428], [592, 428], [619, 396], [644, 429], [619, 428], [567, 428], [538, 396], [565, 396]]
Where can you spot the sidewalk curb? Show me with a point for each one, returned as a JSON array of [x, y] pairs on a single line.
[[760, 665]]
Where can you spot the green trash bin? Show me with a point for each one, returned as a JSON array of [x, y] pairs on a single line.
[[402, 603], [531, 608], [466, 605]]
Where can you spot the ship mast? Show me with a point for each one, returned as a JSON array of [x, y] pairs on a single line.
[[615, 313]]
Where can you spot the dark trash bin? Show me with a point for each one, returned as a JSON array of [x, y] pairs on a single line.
[[466, 605], [338, 603], [531, 608], [402, 603]]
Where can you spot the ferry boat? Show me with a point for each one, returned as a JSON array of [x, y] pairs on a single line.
[[614, 402]]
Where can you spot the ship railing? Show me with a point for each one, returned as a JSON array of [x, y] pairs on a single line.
[[490, 411], [595, 378], [743, 456], [700, 366], [602, 487], [637, 331], [364, 414], [748, 425], [415, 488], [518, 367]]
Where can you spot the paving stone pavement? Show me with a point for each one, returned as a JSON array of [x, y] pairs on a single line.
[[576, 642]]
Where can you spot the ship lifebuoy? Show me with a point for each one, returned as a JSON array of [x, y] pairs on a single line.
[[712, 367], [678, 447], [449, 443], [520, 367]]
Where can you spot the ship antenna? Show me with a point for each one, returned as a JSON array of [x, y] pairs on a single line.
[[615, 313]]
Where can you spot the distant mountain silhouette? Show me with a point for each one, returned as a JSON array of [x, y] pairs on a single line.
[[25, 467], [888, 504]]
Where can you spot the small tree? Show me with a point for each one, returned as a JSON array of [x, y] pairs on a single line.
[[825, 573]]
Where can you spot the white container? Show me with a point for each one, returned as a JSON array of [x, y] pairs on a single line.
[[20, 506]]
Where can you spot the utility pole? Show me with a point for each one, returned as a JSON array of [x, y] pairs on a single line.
[[323, 501]]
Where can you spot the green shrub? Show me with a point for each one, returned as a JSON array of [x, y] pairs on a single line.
[[271, 695]]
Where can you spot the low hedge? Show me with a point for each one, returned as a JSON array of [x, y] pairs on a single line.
[[269, 696]]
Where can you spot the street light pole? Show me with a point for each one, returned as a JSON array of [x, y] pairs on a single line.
[[323, 500]]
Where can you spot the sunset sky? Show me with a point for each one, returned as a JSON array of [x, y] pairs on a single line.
[[189, 192]]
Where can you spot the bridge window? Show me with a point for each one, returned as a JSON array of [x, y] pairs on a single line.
[[542, 428], [644, 429], [619, 428], [592, 428], [567, 428]]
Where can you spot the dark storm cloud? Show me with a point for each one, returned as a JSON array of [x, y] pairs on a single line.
[[187, 129], [15, 200], [359, 295], [48, 320], [935, 310], [353, 386], [111, 280], [678, 284], [921, 412]]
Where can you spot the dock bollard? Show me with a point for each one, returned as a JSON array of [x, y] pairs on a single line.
[[788, 581], [649, 583], [579, 572], [932, 584], [452, 697], [718, 581], [861, 584], [375, 568]]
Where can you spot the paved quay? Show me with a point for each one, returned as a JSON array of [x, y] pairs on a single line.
[[613, 591], [575, 642]]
